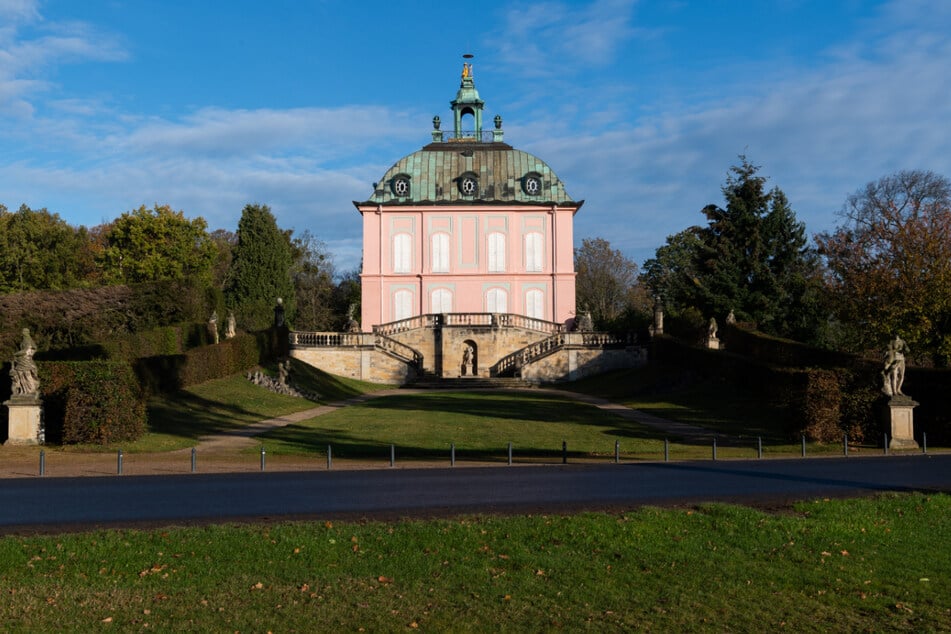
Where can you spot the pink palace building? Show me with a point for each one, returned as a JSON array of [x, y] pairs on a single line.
[[468, 268]]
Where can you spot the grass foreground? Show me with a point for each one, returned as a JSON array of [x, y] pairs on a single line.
[[870, 564]]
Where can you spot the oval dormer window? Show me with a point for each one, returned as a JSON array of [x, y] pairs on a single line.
[[400, 186], [532, 184], [468, 185]]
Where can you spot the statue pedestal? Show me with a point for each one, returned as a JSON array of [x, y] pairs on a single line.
[[901, 423], [713, 343], [25, 422]]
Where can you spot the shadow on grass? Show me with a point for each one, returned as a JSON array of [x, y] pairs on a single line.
[[308, 440], [191, 416]]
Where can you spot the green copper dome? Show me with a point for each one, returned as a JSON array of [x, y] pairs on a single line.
[[499, 173], [474, 166]]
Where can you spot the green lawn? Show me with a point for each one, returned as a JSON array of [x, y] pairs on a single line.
[[877, 564], [179, 420], [480, 424], [712, 404]]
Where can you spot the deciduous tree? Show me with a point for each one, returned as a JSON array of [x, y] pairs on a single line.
[[151, 245], [606, 281], [890, 263], [312, 272], [41, 251]]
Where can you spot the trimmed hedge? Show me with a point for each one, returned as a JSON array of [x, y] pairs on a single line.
[[91, 402], [168, 373], [823, 403]]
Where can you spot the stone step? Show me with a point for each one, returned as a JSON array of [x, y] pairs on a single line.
[[468, 383]]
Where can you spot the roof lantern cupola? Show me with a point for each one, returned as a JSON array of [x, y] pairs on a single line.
[[467, 104]]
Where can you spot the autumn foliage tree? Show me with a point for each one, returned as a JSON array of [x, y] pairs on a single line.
[[890, 263], [606, 282]]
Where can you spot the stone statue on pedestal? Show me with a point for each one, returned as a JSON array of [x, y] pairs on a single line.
[[23, 372], [25, 409], [893, 374]]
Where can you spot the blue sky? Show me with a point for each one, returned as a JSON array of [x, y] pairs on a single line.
[[640, 107]]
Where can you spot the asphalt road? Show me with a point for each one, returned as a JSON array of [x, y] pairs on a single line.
[[47, 503]]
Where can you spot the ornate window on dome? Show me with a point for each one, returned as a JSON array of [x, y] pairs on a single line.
[[532, 184], [469, 184], [400, 186]]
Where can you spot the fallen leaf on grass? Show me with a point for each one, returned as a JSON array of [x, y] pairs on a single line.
[[384, 580], [108, 619]]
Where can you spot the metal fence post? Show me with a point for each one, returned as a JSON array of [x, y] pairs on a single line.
[[263, 457], [617, 451], [452, 455], [886, 443], [564, 452], [714, 448], [194, 460], [392, 455], [510, 454], [119, 462], [845, 445], [42, 462], [803, 445], [330, 458], [759, 447], [666, 450], [924, 442]]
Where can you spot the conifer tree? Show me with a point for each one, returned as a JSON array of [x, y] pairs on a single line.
[[751, 258], [260, 270]]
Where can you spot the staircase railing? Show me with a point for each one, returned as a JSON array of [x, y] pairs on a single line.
[[400, 350], [509, 365], [331, 339]]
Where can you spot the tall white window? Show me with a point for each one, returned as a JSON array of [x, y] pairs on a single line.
[[441, 301], [496, 252], [440, 252], [534, 252], [496, 301], [535, 304], [402, 305], [402, 253]]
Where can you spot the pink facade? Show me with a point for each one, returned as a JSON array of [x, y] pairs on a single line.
[[468, 224], [467, 259]]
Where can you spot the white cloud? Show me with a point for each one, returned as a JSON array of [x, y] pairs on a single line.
[[550, 38], [18, 11], [818, 133], [30, 47]]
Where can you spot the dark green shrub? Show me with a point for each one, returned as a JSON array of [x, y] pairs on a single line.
[[211, 362], [91, 402]]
